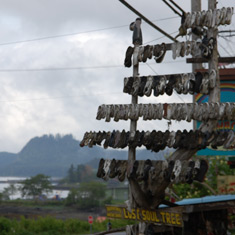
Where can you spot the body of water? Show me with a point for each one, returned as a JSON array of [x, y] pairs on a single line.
[[6, 181]]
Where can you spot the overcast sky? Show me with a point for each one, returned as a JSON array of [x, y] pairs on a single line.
[[84, 64]]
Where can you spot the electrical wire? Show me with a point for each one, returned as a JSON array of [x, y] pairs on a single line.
[[158, 74], [168, 18], [228, 36], [151, 68], [81, 68], [60, 97], [228, 44], [159, 38], [224, 49], [72, 34], [61, 68], [74, 68], [77, 96], [77, 68], [61, 35]]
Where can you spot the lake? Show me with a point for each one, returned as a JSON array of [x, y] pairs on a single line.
[[8, 179]]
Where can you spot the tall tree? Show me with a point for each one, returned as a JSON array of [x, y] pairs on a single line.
[[90, 194], [36, 186], [80, 173], [71, 174], [9, 191]]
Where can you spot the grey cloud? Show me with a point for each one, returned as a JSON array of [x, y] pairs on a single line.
[[66, 101]]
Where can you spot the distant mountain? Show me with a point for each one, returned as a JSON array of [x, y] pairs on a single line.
[[53, 155], [7, 158]]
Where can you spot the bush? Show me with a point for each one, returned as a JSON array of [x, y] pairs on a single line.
[[5, 226], [51, 226], [88, 195]]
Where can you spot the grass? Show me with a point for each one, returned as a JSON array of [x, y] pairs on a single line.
[[52, 226], [49, 204]]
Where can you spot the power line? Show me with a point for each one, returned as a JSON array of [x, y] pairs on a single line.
[[83, 68], [152, 69], [147, 20], [168, 18], [72, 34], [60, 97], [225, 49], [228, 43], [158, 74], [159, 38], [61, 68], [228, 36], [61, 35], [76, 68]]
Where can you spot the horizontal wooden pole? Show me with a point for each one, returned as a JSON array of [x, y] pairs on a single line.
[[225, 74], [204, 60]]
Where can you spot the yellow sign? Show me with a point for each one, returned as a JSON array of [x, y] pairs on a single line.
[[159, 216]]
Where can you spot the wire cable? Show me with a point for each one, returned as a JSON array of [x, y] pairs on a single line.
[[159, 38], [74, 68], [151, 68], [224, 49], [72, 34], [158, 74], [56, 98], [228, 44], [61, 35]]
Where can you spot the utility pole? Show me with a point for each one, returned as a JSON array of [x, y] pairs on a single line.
[[134, 101], [137, 41], [213, 63], [214, 95], [195, 6]]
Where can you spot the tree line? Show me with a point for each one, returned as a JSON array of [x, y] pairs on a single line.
[[78, 174]]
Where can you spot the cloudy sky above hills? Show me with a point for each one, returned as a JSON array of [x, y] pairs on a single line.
[[61, 59]]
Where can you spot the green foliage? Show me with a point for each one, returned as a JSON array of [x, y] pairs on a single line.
[[36, 186], [193, 190], [82, 173], [4, 196], [108, 200], [72, 198], [52, 226], [91, 194], [1, 197], [5, 226], [71, 175], [217, 166], [9, 191]]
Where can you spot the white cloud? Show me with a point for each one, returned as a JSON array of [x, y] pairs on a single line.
[[66, 101]]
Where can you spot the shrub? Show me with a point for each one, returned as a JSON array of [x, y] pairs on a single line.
[[52, 226]]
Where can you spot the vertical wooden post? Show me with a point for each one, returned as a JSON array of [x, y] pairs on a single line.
[[195, 6], [134, 100], [213, 63], [214, 95], [133, 124]]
